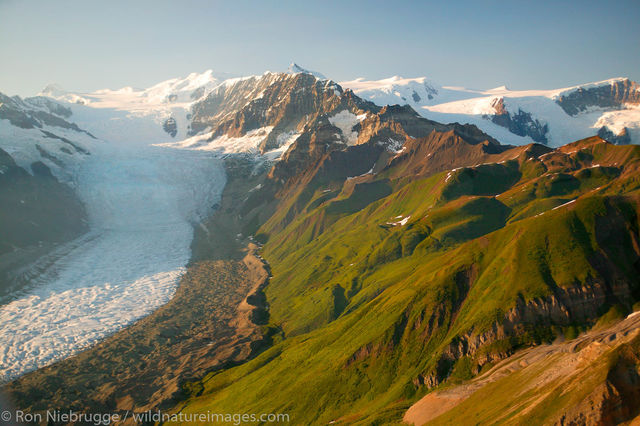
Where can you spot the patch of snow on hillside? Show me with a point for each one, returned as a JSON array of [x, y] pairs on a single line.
[[565, 204], [345, 120], [400, 222], [284, 141], [393, 146], [224, 144], [369, 172]]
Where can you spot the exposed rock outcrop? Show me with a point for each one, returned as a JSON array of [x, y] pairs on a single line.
[[615, 95], [170, 126], [592, 380], [618, 139], [520, 123], [574, 305]]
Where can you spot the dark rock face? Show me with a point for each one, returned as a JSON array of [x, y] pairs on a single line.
[[76, 147], [520, 123], [614, 95], [431, 92], [40, 169], [37, 210], [170, 126], [319, 149], [565, 307], [10, 109], [47, 155], [621, 138]]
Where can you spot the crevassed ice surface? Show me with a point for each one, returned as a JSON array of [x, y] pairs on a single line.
[[142, 202]]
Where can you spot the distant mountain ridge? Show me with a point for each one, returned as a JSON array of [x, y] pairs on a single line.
[[609, 107]]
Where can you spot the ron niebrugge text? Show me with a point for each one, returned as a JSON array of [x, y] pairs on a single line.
[[100, 419]]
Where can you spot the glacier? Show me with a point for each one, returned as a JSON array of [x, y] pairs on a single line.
[[142, 202]]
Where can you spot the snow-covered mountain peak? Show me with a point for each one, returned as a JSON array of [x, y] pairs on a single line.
[[295, 69], [396, 90], [187, 89], [388, 84], [173, 91], [502, 88], [53, 90]]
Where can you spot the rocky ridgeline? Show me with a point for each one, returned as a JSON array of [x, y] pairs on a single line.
[[614, 95], [285, 102], [35, 113]]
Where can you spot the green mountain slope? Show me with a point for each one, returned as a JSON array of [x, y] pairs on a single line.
[[444, 259]]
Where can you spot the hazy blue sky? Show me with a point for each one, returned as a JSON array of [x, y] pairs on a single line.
[[85, 45]]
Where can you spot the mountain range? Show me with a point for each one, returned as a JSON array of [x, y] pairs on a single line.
[[418, 239]]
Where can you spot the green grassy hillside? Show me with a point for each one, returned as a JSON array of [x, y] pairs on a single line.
[[385, 286]]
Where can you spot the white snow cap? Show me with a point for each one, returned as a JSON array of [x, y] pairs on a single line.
[[295, 69], [53, 90]]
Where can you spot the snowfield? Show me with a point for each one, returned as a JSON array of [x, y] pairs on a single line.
[[448, 104], [142, 202], [223, 144], [127, 114]]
